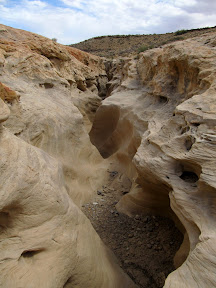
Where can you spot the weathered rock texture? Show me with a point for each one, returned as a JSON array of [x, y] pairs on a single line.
[[160, 123], [47, 164]]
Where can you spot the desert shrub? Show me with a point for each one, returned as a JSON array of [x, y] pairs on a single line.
[[178, 38], [142, 49], [180, 32], [54, 39]]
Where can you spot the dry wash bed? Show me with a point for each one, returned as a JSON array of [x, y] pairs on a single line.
[[144, 245]]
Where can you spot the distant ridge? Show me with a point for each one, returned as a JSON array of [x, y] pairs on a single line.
[[122, 45]]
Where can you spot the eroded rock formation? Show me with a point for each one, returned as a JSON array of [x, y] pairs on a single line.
[[159, 122], [47, 165]]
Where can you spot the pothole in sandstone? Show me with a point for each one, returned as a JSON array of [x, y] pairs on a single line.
[[144, 245]]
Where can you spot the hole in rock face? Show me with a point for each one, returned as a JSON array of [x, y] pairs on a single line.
[[196, 124], [47, 85], [30, 253], [163, 99], [189, 177], [189, 141]]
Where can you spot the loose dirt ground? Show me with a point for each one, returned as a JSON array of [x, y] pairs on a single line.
[[144, 245]]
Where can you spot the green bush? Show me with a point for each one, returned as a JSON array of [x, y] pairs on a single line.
[[180, 32], [142, 49]]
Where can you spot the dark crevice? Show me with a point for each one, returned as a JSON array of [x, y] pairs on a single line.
[[163, 100], [189, 177], [69, 281], [31, 253], [189, 141], [46, 85]]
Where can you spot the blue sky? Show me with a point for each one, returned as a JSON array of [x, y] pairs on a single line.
[[72, 21]]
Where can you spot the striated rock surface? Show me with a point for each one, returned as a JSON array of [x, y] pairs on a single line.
[[157, 125], [48, 167], [51, 81], [160, 124]]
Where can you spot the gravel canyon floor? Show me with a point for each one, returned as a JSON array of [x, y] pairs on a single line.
[[144, 244], [128, 142]]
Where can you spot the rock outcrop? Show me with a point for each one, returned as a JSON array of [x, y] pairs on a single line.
[[157, 124], [48, 167], [160, 123]]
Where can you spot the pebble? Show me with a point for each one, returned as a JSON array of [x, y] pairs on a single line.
[[137, 217], [147, 219], [95, 203]]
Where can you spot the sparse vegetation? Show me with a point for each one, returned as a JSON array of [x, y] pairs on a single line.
[[142, 49], [123, 45], [54, 39], [180, 32], [178, 38]]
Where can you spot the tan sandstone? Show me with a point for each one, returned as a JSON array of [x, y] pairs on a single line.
[[160, 123], [48, 166]]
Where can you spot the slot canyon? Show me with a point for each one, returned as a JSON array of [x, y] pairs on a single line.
[[107, 166]]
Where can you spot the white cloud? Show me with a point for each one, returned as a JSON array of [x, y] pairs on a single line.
[[78, 20]]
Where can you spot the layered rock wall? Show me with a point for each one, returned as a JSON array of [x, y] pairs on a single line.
[[160, 125], [157, 124], [48, 167]]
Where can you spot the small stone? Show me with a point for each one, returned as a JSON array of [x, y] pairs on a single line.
[[95, 203], [130, 235], [99, 192], [137, 217], [147, 219]]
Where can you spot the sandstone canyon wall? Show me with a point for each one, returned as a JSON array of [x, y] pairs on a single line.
[[157, 123], [163, 132], [48, 166]]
